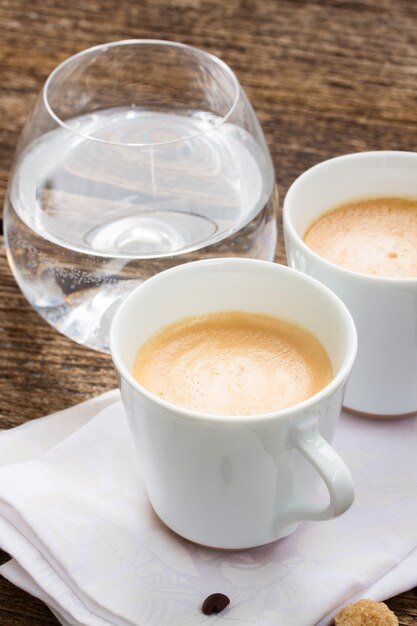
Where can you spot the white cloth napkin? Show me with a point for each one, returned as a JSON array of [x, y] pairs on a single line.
[[75, 517]]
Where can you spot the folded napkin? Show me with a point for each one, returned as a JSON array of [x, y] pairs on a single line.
[[75, 517]]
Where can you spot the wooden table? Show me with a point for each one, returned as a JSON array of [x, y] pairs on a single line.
[[326, 78]]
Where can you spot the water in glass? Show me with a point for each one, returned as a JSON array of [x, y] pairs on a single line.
[[86, 225]]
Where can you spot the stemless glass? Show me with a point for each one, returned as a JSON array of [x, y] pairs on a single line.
[[138, 155]]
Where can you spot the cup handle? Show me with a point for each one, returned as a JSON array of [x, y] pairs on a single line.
[[324, 459]]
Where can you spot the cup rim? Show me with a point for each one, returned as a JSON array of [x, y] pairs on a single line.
[[125, 42], [309, 403], [307, 251]]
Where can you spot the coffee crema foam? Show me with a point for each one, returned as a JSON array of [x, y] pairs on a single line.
[[376, 236], [233, 363]]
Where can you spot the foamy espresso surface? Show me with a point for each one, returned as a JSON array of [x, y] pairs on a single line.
[[376, 236], [233, 363]]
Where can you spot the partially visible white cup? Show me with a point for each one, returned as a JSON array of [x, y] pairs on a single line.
[[384, 378], [236, 482]]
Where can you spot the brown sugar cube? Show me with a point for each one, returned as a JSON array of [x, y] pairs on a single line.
[[366, 613]]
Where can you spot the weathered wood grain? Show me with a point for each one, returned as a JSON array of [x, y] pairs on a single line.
[[325, 78]]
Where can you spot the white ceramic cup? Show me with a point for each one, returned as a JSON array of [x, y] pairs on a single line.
[[384, 378], [236, 482]]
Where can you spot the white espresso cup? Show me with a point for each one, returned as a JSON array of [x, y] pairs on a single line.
[[236, 482], [384, 378]]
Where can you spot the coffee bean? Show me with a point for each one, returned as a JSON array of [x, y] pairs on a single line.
[[215, 603]]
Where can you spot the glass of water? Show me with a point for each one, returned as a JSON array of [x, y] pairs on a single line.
[[138, 155]]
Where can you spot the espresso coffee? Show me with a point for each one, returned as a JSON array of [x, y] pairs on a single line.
[[376, 236], [233, 363]]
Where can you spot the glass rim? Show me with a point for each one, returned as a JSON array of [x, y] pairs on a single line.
[[126, 42]]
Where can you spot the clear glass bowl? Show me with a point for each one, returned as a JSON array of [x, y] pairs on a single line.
[[138, 155]]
